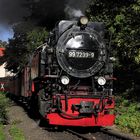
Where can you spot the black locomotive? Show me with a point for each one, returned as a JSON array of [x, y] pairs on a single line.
[[71, 75]]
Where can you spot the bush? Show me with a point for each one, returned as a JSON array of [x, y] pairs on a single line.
[[128, 117], [3, 105]]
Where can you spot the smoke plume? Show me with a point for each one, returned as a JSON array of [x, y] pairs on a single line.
[[44, 12], [12, 10], [75, 8]]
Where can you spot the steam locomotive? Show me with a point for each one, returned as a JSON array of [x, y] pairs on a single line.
[[70, 77]]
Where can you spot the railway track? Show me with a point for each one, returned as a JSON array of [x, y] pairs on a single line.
[[82, 136], [101, 134]]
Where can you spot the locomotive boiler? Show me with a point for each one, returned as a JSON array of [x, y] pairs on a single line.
[[71, 75]]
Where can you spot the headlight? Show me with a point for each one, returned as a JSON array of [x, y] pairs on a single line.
[[83, 20], [101, 81], [65, 80]]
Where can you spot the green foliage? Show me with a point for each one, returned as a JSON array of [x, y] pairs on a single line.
[[3, 44], [4, 102], [2, 135], [122, 18], [16, 133], [128, 116], [36, 38], [15, 53], [137, 57], [22, 46]]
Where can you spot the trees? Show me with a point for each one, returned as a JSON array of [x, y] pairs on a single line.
[[15, 53], [21, 46], [3, 44], [122, 19]]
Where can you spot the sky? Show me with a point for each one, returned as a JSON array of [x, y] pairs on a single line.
[[6, 32]]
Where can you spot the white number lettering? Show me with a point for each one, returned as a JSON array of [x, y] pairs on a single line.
[[92, 55], [2, 86]]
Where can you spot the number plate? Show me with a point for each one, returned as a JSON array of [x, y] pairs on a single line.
[[80, 54]]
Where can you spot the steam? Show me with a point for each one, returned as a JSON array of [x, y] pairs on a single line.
[[75, 8], [73, 13]]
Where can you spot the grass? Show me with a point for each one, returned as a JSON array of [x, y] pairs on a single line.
[[16, 133], [4, 103], [3, 114], [2, 135]]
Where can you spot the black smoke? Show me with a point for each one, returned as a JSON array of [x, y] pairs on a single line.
[[44, 12], [12, 11], [49, 12]]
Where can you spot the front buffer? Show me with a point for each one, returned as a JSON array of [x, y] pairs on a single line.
[[82, 111]]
